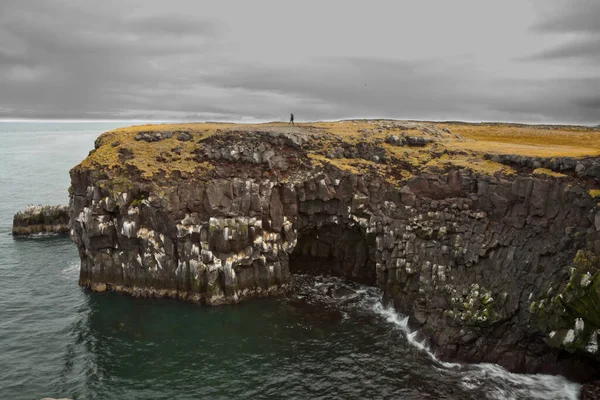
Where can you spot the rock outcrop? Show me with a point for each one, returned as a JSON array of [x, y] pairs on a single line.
[[491, 267], [41, 219]]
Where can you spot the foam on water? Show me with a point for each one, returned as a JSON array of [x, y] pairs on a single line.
[[500, 383], [495, 381], [71, 271], [38, 236]]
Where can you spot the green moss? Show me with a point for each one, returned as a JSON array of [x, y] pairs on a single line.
[[487, 299], [580, 299], [532, 308], [118, 184], [487, 313], [136, 202]]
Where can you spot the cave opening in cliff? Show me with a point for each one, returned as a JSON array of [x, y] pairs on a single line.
[[334, 250]]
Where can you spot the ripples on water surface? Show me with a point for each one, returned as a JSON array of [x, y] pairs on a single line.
[[326, 340]]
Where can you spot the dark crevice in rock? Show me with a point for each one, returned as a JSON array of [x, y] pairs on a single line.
[[334, 250]]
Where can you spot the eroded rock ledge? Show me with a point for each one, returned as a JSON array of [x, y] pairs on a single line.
[[41, 219], [492, 265]]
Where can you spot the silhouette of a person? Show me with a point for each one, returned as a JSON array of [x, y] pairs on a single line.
[[292, 119]]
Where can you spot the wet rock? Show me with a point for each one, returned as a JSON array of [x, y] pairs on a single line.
[[343, 292], [591, 391]]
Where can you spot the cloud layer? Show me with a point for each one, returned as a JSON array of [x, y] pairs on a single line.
[[527, 61]]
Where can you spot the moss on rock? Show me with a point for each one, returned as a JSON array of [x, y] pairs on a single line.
[[571, 319]]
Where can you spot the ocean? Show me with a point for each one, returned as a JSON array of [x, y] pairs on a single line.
[[59, 340]]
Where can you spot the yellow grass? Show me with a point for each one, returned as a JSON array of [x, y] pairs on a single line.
[[528, 140], [549, 172], [477, 141], [472, 162], [144, 153]]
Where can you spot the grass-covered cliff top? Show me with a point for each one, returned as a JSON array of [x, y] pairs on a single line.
[[395, 149]]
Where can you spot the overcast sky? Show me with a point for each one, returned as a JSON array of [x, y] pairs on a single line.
[[510, 60]]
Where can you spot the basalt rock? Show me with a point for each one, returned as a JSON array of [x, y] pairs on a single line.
[[41, 219], [154, 136], [490, 268], [591, 391]]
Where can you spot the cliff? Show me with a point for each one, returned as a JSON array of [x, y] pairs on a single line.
[[487, 236], [41, 219]]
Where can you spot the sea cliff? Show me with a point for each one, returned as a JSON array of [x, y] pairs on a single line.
[[487, 236]]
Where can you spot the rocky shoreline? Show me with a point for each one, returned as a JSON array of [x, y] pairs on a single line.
[[494, 258], [41, 219]]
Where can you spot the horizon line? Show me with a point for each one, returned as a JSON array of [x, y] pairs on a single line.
[[265, 121]]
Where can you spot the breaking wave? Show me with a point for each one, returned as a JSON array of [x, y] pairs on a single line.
[[491, 379]]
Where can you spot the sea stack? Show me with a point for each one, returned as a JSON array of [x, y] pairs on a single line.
[[493, 255], [41, 219]]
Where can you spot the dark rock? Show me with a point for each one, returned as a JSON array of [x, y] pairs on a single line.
[[418, 141], [125, 153], [395, 140], [177, 150], [343, 291], [591, 391], [184, 136], [153, 136]]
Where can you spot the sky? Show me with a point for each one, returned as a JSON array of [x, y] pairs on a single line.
[[533, 61]]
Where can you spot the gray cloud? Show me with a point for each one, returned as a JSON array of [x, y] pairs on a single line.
[[577, 28], [587, 49], [205, 60], [591, 103], [572, 16]]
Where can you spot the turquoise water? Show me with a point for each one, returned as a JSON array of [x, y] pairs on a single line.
[[58, 340]]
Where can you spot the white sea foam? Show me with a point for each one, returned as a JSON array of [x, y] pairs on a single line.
[[40, 235], [492, 379], [497, 382], [71, 271]]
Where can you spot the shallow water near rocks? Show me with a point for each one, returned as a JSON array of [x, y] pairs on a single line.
[[326, 339]]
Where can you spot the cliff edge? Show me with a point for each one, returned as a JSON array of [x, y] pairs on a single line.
[[486, 235]]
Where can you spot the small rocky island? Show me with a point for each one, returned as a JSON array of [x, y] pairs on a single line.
[[486, 235], [41, 219]]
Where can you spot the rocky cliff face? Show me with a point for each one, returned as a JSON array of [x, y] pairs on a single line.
[[496, 267]]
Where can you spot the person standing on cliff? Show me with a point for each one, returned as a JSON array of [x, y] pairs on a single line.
[[292, 119]]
